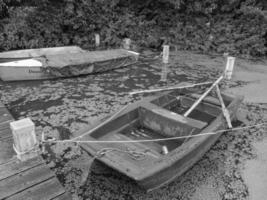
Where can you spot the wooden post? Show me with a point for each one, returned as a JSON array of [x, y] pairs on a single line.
[[229, 67], [97, 40], [164, 73], [202, 97], [25, 143], [127, 43], [165, 54]]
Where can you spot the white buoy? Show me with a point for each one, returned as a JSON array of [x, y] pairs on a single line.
[[229, 67], [97, 40], [127, 43], [25, 143], [165, 54]]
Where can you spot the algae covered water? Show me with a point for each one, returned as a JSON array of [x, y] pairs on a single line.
[[62, 107]]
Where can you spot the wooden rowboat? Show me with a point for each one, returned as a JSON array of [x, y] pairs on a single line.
[[66, 64], [155, 163]]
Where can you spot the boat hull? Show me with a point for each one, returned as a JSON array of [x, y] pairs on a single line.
[[8, 73], [159, 168], [179, 166], [171, 173], [65, 65]]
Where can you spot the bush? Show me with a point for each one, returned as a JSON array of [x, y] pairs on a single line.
[[234, 26]]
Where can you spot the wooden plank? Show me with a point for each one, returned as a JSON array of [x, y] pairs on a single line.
[[46, 190], [24, 180], [153, 147], [6, 150], [4, 126], [5, 132], [166, 122], [16, 167], [5, 117], [65, 196]]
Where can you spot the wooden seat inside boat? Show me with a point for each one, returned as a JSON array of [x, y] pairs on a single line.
[[206, 111], [167, 123]]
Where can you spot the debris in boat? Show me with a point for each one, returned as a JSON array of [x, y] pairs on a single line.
[[165, 150]]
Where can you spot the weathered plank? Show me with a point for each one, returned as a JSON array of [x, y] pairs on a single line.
[[44, 191], [24, 180], [166, 122], [6, 150], [5, 126], [5, 116], [16, 166], [5, 132]]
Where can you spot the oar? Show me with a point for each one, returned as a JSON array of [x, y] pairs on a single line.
[[203, 96], [224, 109], [169, 88]]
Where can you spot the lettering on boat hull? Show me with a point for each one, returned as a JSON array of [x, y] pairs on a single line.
[[35, 71]]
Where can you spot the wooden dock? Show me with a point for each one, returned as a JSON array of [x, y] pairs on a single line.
[[28, 180]]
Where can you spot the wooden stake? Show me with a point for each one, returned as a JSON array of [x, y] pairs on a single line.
[[202, 97], [165, 54], [164, 73], [229, 67], [97, 40], [224, 109], [127, 43]]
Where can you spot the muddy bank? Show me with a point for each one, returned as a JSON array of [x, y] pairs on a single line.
[[62, 107]]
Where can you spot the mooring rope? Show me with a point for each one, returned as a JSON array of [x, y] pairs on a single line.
[[154, 140]]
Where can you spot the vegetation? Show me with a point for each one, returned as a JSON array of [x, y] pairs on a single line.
[[233, 26]]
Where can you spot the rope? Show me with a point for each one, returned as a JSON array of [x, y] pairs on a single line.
[[157, 140]]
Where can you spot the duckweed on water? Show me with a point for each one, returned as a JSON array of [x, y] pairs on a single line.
[[62, 107]]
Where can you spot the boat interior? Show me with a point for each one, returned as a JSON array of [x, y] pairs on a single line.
[[160, 118]]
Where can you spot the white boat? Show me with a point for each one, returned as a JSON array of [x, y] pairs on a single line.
[[34, 53], [69, 64]]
